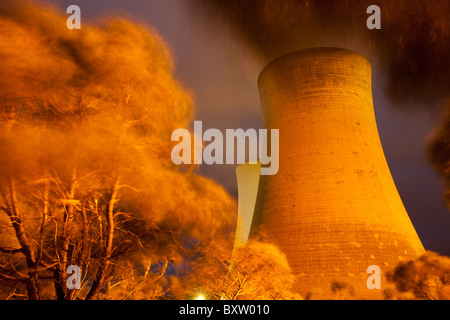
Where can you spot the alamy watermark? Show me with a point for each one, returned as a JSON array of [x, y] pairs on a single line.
[[374, 21], [374, 280], [74, 20], [74, 281], [235, 147]]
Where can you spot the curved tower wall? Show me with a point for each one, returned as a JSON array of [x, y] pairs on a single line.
[[333, 207], [247, 176]]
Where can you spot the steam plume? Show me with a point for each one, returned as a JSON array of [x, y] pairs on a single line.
[[412, 46], [412, 43]]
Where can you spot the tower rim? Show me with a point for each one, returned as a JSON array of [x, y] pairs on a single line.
[[327, 52]]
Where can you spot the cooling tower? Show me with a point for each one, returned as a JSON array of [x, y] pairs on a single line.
[[333, 207], [247, 176]]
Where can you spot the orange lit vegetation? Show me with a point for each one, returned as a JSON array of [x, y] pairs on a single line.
[[439, 149], [257, 270], [427, 277], [86, 176]]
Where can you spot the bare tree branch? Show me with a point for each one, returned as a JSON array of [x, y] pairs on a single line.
[[101, 273], [11, 251]]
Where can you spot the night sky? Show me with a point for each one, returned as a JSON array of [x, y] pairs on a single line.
[[221, 74]]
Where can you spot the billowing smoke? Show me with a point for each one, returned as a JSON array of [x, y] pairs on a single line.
[[412, 42], [86, 176], [412, 46]]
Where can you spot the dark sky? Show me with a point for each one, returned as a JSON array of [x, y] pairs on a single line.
[[222, 73]]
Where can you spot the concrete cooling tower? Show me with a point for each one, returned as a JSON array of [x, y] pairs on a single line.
[[247, 176], [333, 207]]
